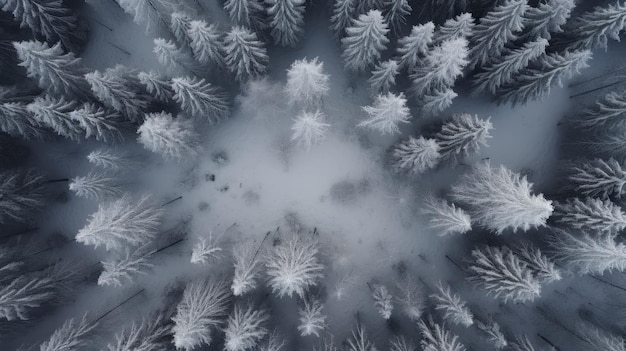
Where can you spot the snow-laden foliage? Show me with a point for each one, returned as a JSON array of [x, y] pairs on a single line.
[[274, 342], [436, 337], [453, 308], [150, 13], [364, 6], [247, 13], [461, 26], [95, 185], [200, 99], [493, 333], [495, 30], [206, 249], [365, 40], [499, 199], [535, 82], [589, 253], [21, 195], [592, 215], [98, 122], [122, 222], [410, 297], [312, 320], [245, 328], [593, 28], [121, 270], [542, 266], [309, 128], [343, 12], [286, 20], [70, 336], [179, 25], [503, 69], [21, 295], [149, 334], [547, 18], [601, 339], [386, 113], [445, 218], [359, 340], [294, 266], [247, 264], [169, 137], [414, 46], [17, 121], [383, 301], [383, 77], [206, 43], [109, 159], [599, 178], [462, 136], [503, 275], [396, 13], [307, 84], [246, 56], [156, 85], [416, 155], [57, 72], [170, 55], [400, 343], [55, 114], [606, 111], [203, 307]]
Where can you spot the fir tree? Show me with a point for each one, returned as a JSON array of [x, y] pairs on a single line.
[[383, 301], [414, 46], [94, 186], [359, 341], [396, 13], [286, 20], [416, 155], [170, 55], [589, 254], [109, 160], [606, 111], [307, 84], [365, 40], [600, 339], [150, 12], [599, 178], [593, 215], [98, 122], [123, 269], [19, 296], [149, 334], [169, 137], [461, 26], [462, 136], [246, 56], [436, 337], [410, 297], [593, 28], [247, 264], [547, 18], [386, 113], [343, 12], [400, 343], [179, 25], [437, 100], [312, 320], [454, 309], [56, 115], [200, 99], [70, 336], [247, 13], [21, 195], [445, 218], [493, 333], [158, 86], [206, 249], [245, 328], [17, 121], [383, 77], [543, 268], [309, 128], [206, 43]]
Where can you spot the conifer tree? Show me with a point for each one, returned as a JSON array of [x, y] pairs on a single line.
[[55, 114], [600, 339], [206, 249], [589, 254], [169, 137], [359, 340], [386, 113], [98, 122], [148, 334], [592, 215], [416, 155], [179, 25], [110, 160], [410, 297], [312, 320], [547, 18], [150, 13], [383, 301], [94, 185], [606, 111], [461, 26], [247, 264], [247, 13], [462, 136], [286, 20], [436, 337], [206, 43], [343, 12], [309, 128], [172, 57], [17, 121], [199, 98], [437, 100], [599, 178], [544, 269], [120, 270], [593, 28], [21, 195], [21, 295], [156, 85], [454, 309], [365, 40], [494, 335], [246, 56], [383, 77], [307, 84], [245, 328], [445, 218], [396, 12], [70, 336], [414, 46], [400, 343]]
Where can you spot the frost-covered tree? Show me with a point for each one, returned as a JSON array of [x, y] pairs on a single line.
[[200, 99], [149, 334], [365, 40], [383, 77], [396, 13], [57, 72], [309, 128], [499, 198], [206, 43], [359, 340], [593, 215], [414, 47], [416, 155], [307, 84], [98, 122], [17, 121], [55, 114], [245, 328], [274, 342], [294, 266], [445, 218], [461, 26], [110, 160], [462, 136], [503, 275], [436, 337], [170, 55], [386, 113], [202, 309], [495, 30], [246, 56], [606, 111], [247, 264], [543, 267], [343, 12], [156, 85], [535, 82], [122, 222], [247, 13], [493, 333], [410, 297], [121, 270], [599, 178], [453, 308], [600, 339], [169, 137], [286, 20], [179, 25], [400, 343], [21, 295], [206, 249], [503, 69], [70, 336], [383, 301], [312, 320], [150, 13], [589, 254], [22, 194], [94, 185], [593, 28], [547, 18]]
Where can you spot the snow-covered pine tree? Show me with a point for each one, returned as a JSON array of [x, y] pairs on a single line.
[[359, 340], [593, 28], [600, 339], [51, 19], [122, 270], [247, 264], [599, 178], [70, 336], [21, 195], [110, 160], [95, 185], [396, 12], [122, 222], [343, 12], [169, 137], [592, 215], [206, 43], [499, 198], [294, 266], [410, 297], [547, 18], [589, 254], [246, 55], [493, 334], [461, 26], [400, 343], [245, 328], [383, 301], [57, 72], [607, 110], [149, 334], [200, 312], [611, 142], [535, 82], [364, 6], [416, 155], [312, 320], [309, 128], [21, 295], [543, 267], [157, 85], [17, 121], [247, 13], [55, 114], [383, 77], [495, 30], [454, 309], [171, 56], [462, 136], [200, 99], [503, 275], [414, 47], [503, 69], [286, 20], [387, 112], [307, 84], [150, 13], [365, 40], [436, 337], [179, 25], [445, 218], [206, 249], [98, 122]]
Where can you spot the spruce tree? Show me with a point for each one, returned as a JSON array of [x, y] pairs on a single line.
[[309, 128], [587, 253], [55, 114], [547, 18], [461, 26], [386, 113], [307, 84], [445, 218], [592, 215], [246, 56], [396, 12], [169, 137], [247, 13], [206, 43], [22, 194], [593, 28], [172, 57], [436, 337], [365, 40], [312, 320], [17, 121], [383, 77], [543, 268], [245, 327], [98, 122], [156, 85], [608, 110], [200, 99], [95, 185], [599, 178], [343, 12], [414, 47], [454, 309], [462, 136], [179, 25], [286, 20], [416, 155]]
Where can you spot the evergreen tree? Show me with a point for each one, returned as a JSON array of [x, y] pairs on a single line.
[[593, 215], [120, 270], [156, 85], [55, 71], [602, 339], [400, 343], [247, 264], [343, 12], [599, 178], [247, 13], [444, 218], [461, 26], [149, 334], [206, 43], [179, 25], [246, 56], [436, 337], [410, 297], [396, 12], [245, 328], [547, 18], [495, 30], [56, 114], [606, 111], [200, 99], [109, 160], [150, 12], [17, 121], [307, 84], [98, 122], [589, 254], [437, 100], [19, 296], [365, 40], [206, 249], [94, 186], [169, 137], [359, 341], [535, 83], [383, 77], [414, 46], [70, 337], [170, 55], [386, 113], [503, 274], [543, 268], [21, 195], [462, 136], [454, 309], [493, 334], [309, 128], [499, 199], [416, 155], [286, 20], [312, 320], [593, 28], [382, 300]]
